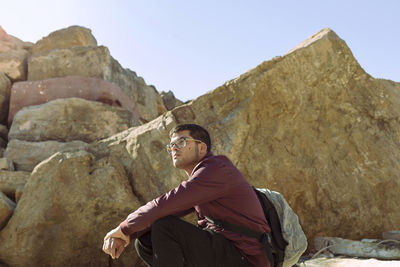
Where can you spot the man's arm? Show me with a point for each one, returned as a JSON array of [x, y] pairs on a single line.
[[208, 182]]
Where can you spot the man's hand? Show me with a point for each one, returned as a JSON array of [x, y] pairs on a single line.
[[114, 242]]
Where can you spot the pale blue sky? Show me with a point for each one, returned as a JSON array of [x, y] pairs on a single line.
[[191, 47]]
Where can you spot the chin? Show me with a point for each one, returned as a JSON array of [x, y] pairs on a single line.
[[178, 165]]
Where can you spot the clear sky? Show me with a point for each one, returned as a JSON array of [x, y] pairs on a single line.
[[191, 47]]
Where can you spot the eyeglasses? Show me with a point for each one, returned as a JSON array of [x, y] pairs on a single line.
[[180, 143]]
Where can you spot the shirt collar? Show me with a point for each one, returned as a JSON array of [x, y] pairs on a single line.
[[208, 155]]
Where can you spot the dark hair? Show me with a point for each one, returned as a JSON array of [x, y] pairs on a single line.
[[195, 131]]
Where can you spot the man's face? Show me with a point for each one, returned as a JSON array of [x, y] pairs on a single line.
[[187, 157]]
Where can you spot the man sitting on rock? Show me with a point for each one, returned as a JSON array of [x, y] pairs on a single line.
[[215, 189]]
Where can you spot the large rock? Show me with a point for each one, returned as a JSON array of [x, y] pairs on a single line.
[[13, 63], [314, 126], [70, 202], [9, 42], [70, 119], [31, 93], [97, 62], [7, 207], [65, 38], [5, 85], [26, 155], [11, 180], [311, 124]]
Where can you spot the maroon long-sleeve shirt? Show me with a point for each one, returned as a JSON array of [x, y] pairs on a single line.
[[215, 189]]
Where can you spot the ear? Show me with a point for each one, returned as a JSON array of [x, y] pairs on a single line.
[[203, 148]]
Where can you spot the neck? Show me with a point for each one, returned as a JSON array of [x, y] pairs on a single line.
[[189, 169]]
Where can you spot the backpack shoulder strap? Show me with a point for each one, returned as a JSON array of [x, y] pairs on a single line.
[[273, 219]]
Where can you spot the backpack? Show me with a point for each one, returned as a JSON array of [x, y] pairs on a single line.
[[286, 242]]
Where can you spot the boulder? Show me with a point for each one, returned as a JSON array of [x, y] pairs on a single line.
[[11, 180], [317, 128], [311, 125], [70, 202], [6, 164], [31, 93], [13, 63], [7, 207], [65, 38], [97, 62], [169, 100], [70, 119], [5, 85], [9, 42], [26, 155]]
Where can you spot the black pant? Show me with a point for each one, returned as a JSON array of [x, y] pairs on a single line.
[[174, 242]]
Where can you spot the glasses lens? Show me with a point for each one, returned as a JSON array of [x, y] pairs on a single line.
[[168, 147], [181, 143]]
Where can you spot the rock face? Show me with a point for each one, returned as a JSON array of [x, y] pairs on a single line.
[[97, 62], [26, 155], [30, 93], [5, 86], [70, 119], [70, 202], [65, 38]]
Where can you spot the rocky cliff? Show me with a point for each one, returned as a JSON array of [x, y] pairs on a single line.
[[310, 124]]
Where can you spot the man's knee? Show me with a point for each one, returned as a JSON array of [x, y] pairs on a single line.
[[144, 248]]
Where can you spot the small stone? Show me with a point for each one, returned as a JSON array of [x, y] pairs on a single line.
[[6, 164], [18, 192]]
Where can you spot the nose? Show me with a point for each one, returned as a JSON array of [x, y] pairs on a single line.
[[174, 147]]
